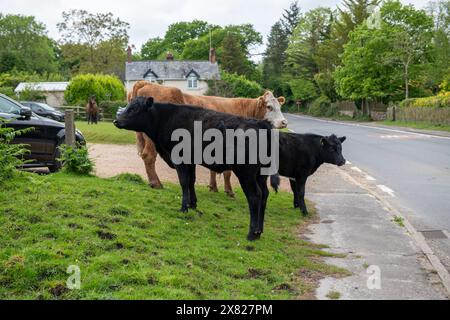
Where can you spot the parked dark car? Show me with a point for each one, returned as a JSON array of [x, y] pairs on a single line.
[[43, 141], [44, 110]]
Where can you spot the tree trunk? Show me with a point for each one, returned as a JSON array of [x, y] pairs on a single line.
[[406, 82]]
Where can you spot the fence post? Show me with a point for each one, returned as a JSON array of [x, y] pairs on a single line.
[[393, 113], [70, 127]]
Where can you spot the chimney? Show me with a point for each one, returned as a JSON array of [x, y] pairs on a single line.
[[129, 54], [212, 55], [169, 56]]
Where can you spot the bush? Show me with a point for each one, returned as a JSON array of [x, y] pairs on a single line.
[[104, 87], [445, 85], [439, 101], [76, 160], [31, 95], [10, 154], [233, 85], [321, 107], [8, 91], [110, 108]]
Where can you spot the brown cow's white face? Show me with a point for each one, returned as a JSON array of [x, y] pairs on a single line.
[[273, 112]]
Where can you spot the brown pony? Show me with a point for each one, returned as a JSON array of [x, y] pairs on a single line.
[[92, 111]]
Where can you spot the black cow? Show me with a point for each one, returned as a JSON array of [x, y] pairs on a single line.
[[159, 120], [300, 156]]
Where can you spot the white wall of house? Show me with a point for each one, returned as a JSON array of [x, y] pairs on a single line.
[[54, 99], [202, 86]]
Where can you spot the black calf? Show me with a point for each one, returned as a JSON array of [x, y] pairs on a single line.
[[300, 156]]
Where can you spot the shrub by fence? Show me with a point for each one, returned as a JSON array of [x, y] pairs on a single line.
[[439, 101]]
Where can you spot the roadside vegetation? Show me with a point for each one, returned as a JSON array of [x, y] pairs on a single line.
[[131, 242]]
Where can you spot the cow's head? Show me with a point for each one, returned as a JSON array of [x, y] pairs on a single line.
[[331, 150], [136, 116], [273, 110]]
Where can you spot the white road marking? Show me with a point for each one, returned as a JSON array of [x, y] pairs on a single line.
[[386, 189], [375, 128], [348, 162], [357, 169], [370, 178]]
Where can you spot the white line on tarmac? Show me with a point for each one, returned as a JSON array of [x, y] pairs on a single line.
[[348, 162], [386, 189], [373, 127]]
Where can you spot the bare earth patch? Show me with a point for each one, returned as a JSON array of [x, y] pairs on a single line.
[[112, 160]]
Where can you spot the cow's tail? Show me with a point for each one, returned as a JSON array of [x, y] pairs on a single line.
[[275, 182], [140, 143]]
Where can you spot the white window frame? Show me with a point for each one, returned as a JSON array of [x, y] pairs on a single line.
[[192, 82], [151, 78]]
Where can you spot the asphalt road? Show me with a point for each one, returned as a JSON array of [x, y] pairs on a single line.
[[416, 167]]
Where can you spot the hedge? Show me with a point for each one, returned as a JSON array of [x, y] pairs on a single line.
[[439, 101], [110, 108], [104, 87]]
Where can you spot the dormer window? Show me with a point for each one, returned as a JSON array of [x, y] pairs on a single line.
[[192, 79], [151, 76], [192, 82]]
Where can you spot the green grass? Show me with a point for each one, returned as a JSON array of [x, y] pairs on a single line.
[[416, 125], [105, 132], [399, 221], [334, 295], [131, 242]]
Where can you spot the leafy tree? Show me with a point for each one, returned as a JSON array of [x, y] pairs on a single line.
[[153, 49], [305, 55], [233, 85], [365, 74], [24, 45], [353, 14], [178, 33], [440, 64], [93, 42], [410, 33], [233, 55]]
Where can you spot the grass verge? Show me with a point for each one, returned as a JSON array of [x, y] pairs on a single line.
[[131, 242], [105, 132], [416, 125]]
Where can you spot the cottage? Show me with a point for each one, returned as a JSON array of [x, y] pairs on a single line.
[[189, 76], [53, 91]]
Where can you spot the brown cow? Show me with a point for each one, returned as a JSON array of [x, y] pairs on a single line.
[[265, 107]]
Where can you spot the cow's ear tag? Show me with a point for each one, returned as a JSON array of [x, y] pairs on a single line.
[[323, 142]]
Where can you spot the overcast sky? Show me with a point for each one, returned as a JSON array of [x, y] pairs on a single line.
[[150, 18]]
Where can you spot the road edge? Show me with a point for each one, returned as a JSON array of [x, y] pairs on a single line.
[[420, 240]]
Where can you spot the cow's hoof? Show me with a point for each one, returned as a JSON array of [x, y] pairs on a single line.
[[296, 205], [213, 189], [252, 236], [184, 210], [230, 194], [156, 186], [193, 206], [305, 213]]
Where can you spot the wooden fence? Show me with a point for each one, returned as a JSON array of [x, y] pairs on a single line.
[[419, 114], [80, 112]]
